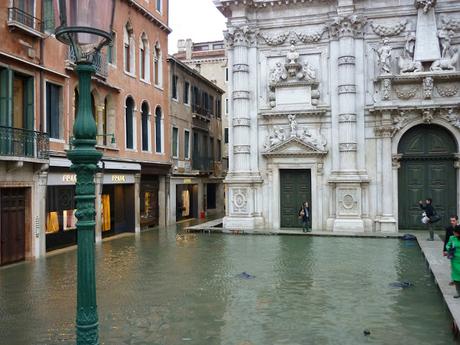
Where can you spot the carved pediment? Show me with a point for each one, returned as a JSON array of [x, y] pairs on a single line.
[[294, 147]]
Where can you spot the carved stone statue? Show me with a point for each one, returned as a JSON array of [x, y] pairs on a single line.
[[292, 125], [384, 53], [308, 72], [445, 64], [445, 38], [406, 61], [277, 74], [409, 47]]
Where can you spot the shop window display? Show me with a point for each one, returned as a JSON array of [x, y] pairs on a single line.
[[60, 210]]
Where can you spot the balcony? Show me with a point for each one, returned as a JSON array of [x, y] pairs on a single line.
[[17, 143], [18, 19], [99, 61]]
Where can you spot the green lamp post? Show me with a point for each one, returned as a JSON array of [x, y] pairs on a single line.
[[86, 26]]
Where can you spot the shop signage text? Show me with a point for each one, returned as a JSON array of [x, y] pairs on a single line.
[[69, 178], [118, 178]]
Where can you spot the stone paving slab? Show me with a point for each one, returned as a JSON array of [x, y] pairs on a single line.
[[440, 267]]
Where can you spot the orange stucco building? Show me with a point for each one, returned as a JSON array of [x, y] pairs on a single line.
[[38, 103]]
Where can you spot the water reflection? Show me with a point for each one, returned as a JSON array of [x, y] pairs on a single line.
[[156, 288]]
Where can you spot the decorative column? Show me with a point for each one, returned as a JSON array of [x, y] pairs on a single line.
[[98, 181], [240, 179], [137, 203], [348, 180], [385, 133]]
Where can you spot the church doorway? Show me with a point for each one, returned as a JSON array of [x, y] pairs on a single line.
[[295, 188], [427, 171]]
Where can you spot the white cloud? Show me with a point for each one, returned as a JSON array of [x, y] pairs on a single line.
[[199, 20]]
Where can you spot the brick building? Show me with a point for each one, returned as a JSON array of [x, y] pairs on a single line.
[[196, 186], [38, 103]]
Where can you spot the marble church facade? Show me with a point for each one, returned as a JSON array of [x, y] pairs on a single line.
[[361, 97]]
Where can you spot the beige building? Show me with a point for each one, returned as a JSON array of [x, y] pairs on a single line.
[[196, 182], [210, 60]]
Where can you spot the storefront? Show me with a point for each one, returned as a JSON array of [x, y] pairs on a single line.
[[117, 203], [186, 201], [60, 223]]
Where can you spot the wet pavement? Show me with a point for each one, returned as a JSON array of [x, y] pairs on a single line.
[[159, 288]]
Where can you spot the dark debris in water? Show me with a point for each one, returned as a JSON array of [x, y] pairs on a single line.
[[401, 285], [245, 275]]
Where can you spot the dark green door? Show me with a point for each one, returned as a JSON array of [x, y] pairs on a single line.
[[295, 188], [427, 171]]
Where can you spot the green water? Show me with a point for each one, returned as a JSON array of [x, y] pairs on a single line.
[[155, 290]]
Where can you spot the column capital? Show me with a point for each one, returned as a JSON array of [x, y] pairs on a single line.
[[347, 26], [241, 35]]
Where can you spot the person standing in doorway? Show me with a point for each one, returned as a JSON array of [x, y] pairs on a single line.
[[304, 216], [429, 213], [453, 253]]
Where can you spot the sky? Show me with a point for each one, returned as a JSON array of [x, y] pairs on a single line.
[[199, 20]]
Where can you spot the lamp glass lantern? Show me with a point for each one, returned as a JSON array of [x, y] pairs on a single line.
[[85, 25]]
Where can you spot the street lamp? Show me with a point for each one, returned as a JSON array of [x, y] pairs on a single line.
[[85, 25]]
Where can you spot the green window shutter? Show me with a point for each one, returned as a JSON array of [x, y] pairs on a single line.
[[6, 97], [29, 116]]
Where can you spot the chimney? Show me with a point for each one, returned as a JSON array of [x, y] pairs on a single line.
[[180, 46], [188, 49]]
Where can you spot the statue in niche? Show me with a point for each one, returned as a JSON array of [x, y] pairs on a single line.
[[308, 72], [292, 125], [384, 54], [446, 64], [406, 61]]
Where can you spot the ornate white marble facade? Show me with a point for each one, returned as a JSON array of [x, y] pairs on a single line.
[[332, 86]]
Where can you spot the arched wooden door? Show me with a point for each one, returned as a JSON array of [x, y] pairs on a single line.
[[427, 171]]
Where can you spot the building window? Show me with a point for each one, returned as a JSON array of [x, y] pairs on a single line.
[[111, 51], [211, 196], [158, 5], [175, 79], [175, 142], [158, 130], [186, 92], [211, 148], [53, 110], [219, 150], [129, 123], [226, 106], [187, 144], [226, 74], [156, 65], [128, 52], [48, 16], [218, 46], [145, 126], [211, 105], [144, 60], [218, 107], [226, 135]]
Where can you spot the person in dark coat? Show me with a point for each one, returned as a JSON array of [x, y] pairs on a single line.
[[304, 216], [450, 231], [429, 212]]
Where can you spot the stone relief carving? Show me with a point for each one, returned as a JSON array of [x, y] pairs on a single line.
[[406, 93], [449, 90], [406, 61], [384, 57], [425, 5], [428, 87], [240, 200], [293, 72], [448, 23], [347, 26], [240, 35], [311, 37], [280, 134], [386, 31], [447, 63], [348, 147], [427, 115], [386, 89], [275, 39], [445, 39], [451, 117]]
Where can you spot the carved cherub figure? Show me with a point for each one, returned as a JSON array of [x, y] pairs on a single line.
[[276, 74], [308, 72]]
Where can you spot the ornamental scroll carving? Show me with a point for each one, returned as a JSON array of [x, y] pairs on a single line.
[[277, 39], [386, 31], [281, 134], [311, 37], [240, 200]]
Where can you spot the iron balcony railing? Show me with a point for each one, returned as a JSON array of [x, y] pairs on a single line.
[[99, 60], [19, 142], [17, 15]]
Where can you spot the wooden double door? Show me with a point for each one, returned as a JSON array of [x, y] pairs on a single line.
[[295, 188], [427, 171], [12, 224]]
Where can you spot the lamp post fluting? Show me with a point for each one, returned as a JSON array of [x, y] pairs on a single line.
[[86, 26]]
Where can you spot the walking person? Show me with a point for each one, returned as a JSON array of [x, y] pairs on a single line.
[[304, 216], [454, 255], [430, 216], [449, 233]]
